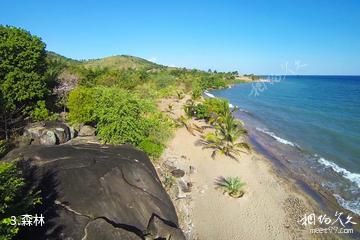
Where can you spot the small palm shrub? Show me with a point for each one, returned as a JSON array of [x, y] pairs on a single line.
[[190, 127], [225, 139], [232, 186]]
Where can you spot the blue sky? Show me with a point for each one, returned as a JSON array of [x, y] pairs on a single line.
[[310, 37]]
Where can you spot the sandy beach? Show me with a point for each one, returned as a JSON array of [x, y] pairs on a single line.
[[269, 208]]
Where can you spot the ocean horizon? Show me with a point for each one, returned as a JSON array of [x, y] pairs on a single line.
[[312, 122]]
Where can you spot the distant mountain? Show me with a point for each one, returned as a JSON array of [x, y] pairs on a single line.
[[122, 62], [53, 56], [113, 62]]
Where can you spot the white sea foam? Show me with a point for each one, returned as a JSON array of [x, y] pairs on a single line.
[[209, 94], [231, 106], [353, 177], [243, 110], [353, 206], [279, 139]]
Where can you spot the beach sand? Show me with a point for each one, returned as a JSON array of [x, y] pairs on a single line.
[[269, 208]]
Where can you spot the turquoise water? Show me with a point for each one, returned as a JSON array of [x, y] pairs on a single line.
[[313, 121]]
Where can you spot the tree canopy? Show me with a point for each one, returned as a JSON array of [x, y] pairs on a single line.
[[22, 75]]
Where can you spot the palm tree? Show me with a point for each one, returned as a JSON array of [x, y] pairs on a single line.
[[191, 127], [216, 118], [227, 131]]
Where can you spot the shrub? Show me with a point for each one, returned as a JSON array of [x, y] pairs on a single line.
[[217, 105], [121, 117], [196, 92], [3, 148], [151, 148], [160, 127], [81, 104], [41, 113], [200, 111], [14, 199], [231, 185], [210, 106]]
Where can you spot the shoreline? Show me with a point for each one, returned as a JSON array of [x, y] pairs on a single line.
[[269, 209], [301, 156]]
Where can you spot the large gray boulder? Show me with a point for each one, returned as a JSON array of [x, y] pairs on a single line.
[[100, 192], [48, 137], [48, 133], [86, 131]]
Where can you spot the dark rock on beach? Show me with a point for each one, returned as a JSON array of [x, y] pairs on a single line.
[[91, 191], [178, 173]]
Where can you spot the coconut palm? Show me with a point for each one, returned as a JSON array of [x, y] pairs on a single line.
[[225, 139], [191, 127]]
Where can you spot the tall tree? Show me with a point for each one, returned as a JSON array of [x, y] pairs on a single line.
[[22, 76]]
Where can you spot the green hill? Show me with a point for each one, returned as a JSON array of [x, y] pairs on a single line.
[[122, 62], [113, 62], [53, 56]]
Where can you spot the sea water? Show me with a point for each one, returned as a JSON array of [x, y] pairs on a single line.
[[312, 122]]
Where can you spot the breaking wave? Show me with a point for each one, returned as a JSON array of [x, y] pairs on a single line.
[[279, 139], [353, 177]]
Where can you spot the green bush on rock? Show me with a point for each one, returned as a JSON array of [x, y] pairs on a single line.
[[120, 117], [153, 149]]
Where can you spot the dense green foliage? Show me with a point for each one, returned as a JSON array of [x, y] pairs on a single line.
[[22, 75], [252, 76], [3, 148], [15, 200], [208, 109], [150, 147], [115, 94], [120, 117]]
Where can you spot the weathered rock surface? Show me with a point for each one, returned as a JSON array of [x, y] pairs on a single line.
[[87, 130], [48, 133], [48, 137], [178, 173], [92, 191]]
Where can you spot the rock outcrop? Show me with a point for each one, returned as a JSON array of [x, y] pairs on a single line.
[[97, 192], [86, 131], [48, 133]]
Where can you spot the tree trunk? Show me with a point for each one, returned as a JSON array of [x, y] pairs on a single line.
[[6, 128]]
